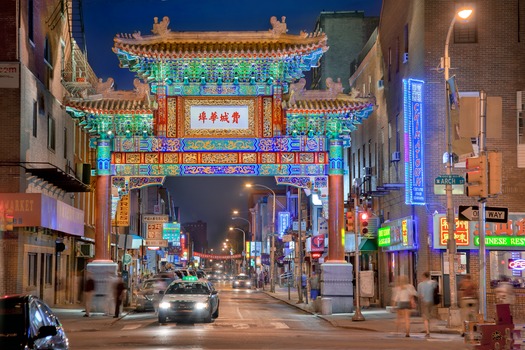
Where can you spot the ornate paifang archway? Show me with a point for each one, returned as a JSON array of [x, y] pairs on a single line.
[[220, 103]]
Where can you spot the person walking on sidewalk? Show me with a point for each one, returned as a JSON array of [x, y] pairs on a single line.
[[120, 287], [425, 292], [89, 289], [314, 285], [404, 301]]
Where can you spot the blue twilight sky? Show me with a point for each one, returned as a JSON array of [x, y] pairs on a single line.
[[210, 199], [103, 19]]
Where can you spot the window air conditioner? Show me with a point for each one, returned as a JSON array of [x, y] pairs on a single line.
[[86, 250]]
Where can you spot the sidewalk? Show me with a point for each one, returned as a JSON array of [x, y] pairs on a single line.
[[376, 319]]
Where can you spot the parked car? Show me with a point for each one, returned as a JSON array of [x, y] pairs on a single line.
[[189, 299], [26, 322], [148, 295], [242, 281]]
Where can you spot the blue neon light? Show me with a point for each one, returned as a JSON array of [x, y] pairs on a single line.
[[414, 142]]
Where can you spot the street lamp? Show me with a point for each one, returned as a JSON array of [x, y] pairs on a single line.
[[243, 247], [463, 13], [272, 248]]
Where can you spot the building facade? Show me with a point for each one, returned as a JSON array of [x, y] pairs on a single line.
[[46, 207], [407, 144]]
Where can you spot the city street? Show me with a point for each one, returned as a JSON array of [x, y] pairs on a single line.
[[248, 319]]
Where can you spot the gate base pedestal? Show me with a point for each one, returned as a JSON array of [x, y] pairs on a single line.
[[336, 284]]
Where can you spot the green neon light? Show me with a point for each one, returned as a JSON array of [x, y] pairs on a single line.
[[498, 241], [383, 237]]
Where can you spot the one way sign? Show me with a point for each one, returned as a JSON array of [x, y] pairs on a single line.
[[492, 214]]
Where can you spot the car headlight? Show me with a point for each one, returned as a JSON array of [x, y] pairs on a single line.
[[201, 306], [248, 283], [164, 305], [236, 282]]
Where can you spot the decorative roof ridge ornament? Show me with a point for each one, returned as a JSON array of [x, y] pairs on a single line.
[[104, 90], [298, 91], [278, 28], [161, 28]]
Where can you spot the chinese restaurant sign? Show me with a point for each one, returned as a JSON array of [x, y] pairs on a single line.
[[397, 235], [498, 236]]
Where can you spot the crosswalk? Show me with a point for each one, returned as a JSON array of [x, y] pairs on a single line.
[[217, 324]]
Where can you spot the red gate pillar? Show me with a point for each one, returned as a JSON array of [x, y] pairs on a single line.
[[103, 204], [336, 233]]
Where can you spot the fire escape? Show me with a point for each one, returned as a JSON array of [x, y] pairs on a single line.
[[78, 77]]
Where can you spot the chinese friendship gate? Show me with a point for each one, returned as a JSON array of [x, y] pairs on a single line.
[[220, 104]]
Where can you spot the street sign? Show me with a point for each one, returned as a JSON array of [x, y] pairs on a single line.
[[492, 214], [451, 179]]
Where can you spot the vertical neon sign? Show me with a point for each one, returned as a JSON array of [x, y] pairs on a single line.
[[414, 141]]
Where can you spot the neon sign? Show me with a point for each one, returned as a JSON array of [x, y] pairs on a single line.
[[383, 237], [501, 241], [414, 150], [517, 264]]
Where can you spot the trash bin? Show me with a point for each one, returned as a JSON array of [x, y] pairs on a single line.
[[326, 306]]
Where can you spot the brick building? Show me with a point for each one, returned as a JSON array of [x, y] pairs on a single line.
[[485, 54], [46, 210]]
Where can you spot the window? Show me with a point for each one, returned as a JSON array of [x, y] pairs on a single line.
[[520, 104], [405, 37], [31, 273], [47, 52], [50, 133], [465, 31], [30, 21], [49, 269], [65, 142], [35, 118]]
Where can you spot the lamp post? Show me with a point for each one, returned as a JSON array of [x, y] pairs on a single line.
[[272, 244], [243, 247], [451, 244]]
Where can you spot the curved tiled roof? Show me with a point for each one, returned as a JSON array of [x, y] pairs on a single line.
[[219, 44], [111, 106]]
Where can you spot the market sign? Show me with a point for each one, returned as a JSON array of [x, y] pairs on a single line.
[[383, 237]]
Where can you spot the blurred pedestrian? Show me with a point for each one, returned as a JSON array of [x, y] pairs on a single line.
[[425, 292], [314, 285], [89, 289], [404, 301], [468, 300], [120, 287], [504, 291], [304, 285]]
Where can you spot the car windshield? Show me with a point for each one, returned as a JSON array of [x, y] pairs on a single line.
[[12, 321], [188, 288], [242, 277]]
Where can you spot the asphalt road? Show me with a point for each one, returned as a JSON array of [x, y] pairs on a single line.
[[248, 320]]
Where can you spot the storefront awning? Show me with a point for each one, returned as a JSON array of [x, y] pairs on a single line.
[[368, 244], [132, 242]]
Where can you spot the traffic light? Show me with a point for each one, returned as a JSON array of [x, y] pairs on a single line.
[[495, 159], [8, 220], [364, 223], [476, 179], [350, 221]]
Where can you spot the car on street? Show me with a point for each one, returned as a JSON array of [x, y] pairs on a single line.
[[148, 294], [189, 299], [26, 322], [242, 281]]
